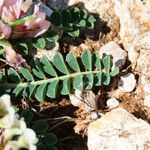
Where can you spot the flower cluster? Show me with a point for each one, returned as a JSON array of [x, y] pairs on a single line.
[[33, 26], [15, 24], [14, 134]]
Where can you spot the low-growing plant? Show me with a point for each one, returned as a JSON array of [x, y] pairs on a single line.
[[46, 78], [46, 140], [68, 21], [72, 20]]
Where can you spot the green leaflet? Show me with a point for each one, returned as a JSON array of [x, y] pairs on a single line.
[[115, 71], [17, 91], [66, 87], [86, 58], [107, 63], [40, 92], [40, 126], [83, 14], [27, 115], [52, 89], [13, 75], [52, 36], [60, 64], [36, 69], [98, 79], [96, 61], [39, 43], [74, 32], [47, 78], [72, 62], [106, 78], [47, 67], [88, 81], [26, 73], [78, 82], [28, 91], [82, 23]]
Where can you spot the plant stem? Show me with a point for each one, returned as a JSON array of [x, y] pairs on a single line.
[[21, 21], [46, 81], [2, 52]]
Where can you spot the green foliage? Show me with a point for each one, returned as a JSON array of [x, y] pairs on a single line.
[[27, 115], [47, 140], [39, 43], [72, 20], [46, 77], [68, 21]]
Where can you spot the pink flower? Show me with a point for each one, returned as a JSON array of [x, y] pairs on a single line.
[[34, 27], [5, 31], [12, 58], [10, 11]]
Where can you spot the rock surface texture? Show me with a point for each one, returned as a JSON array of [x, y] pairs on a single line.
[[118, 54], [119, 130], [134, 16]]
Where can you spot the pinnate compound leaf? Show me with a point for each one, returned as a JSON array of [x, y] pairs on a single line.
[[92, 72]]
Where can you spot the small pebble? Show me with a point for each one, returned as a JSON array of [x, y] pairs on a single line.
[[127, 82], [112, 103]]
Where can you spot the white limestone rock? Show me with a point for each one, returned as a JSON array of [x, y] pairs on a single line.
[[84, 99], [118, 130], [147, 101], [112, 103], [127, 82], [118, 54], [134, 18]]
